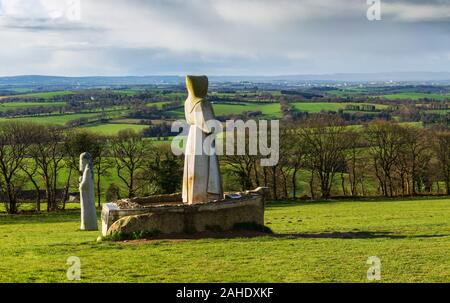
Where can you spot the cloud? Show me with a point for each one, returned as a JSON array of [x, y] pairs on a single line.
[[417, 11], [221, 37], [266, 13], [40, 14]]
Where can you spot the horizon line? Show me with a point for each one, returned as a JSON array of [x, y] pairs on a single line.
[[226, 75]]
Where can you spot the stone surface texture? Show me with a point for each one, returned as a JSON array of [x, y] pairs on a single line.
[[87, 194], [174, 219], [201, 181]]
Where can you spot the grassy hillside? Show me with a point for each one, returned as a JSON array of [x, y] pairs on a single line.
[[267, 110], [315, 107], [113, 129], [416, 96], [44, 95], [19, 105], [313, 242], [56, 119]]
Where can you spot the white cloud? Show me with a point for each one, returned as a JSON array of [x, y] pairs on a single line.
[[38, 13], [245, 36], [264, 13], [413, 12]]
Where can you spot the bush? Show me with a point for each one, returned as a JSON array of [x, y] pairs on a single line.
[[112, 193]]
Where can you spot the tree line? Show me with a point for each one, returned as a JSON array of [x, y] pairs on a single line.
[[319, 158], [332, 159], [47, 156]]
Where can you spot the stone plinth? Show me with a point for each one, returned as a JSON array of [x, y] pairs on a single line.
[[173, 218]]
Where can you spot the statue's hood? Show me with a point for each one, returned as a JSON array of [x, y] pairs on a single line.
[[197, 87]]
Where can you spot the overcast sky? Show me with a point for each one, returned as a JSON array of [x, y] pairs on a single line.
[[221, 37]]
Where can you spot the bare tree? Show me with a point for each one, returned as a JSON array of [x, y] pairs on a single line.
[[292, 158], [80, 141], [354, 160], [102, 163], [413, 153], [162, 173], [129, 152], [243, 167], [386, 141], [47, 151], [323, 137], [14, 142], [30, 168], [442, 150]]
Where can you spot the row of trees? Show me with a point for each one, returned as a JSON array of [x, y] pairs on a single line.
[[381, 158], [320, 158], [47, 156]]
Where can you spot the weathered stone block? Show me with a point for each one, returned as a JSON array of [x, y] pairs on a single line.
[[173, 219]]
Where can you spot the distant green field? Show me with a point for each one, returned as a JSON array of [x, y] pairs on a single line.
[[14, 105], [268, 110], [346, 92], [439, 111], [271, 110], [127, 92], [113, 129], [159, 105], [44, 95], [315, 107], [412, 124], [57, 119], [416, 96], [378, 93], [126, 121]]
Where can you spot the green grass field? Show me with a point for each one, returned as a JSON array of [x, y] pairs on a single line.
[[56, 119], [316, 107], [345, 92], [64, 118], [159, 105], [271, 110], [267, 110], [313, 242], [113, 129], [17, 105], [44, 95], [416, 96]]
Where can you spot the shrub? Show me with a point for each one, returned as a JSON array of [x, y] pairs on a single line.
[[112, 193]]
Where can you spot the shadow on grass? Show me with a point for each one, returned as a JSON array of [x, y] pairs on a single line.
[[44, 217], [254, 234], [355, 235], [287, 203]]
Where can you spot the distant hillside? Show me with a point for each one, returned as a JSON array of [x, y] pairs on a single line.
[[345, 77], [55, 81], [86, 81]]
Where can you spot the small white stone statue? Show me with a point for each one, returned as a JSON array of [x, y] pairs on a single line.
[[201, 180], [87, 194]]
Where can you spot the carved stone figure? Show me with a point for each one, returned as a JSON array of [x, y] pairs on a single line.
[[201, 181], [87, 194]]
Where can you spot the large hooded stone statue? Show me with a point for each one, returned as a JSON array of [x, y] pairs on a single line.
[[87, 194], [201, 180]]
